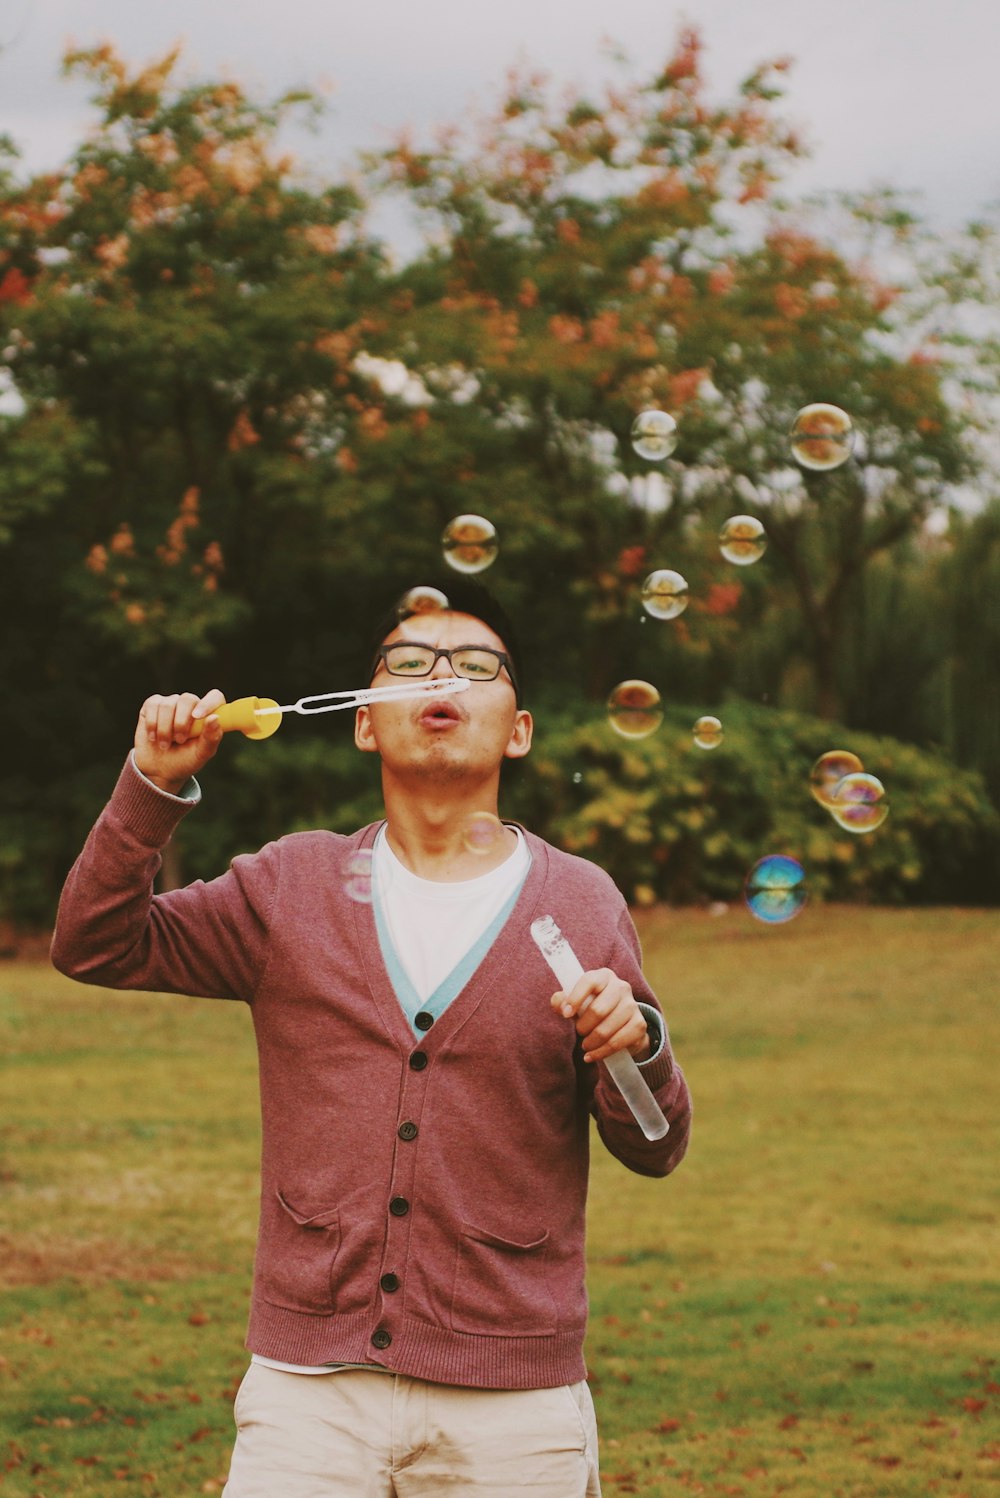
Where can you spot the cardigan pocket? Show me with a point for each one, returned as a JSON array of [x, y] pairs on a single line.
[[297, 1272], [501, 1286]]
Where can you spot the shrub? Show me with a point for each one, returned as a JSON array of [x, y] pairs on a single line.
[[673, 822], [668, 821]]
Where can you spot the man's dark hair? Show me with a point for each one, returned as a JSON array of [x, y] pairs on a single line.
[[465, 596]]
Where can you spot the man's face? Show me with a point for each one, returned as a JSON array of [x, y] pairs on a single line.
[[445, 737]]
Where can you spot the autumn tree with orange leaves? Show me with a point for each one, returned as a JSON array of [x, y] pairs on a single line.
[[590, 257]]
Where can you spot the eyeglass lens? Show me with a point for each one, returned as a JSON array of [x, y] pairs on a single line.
[[477, 663]]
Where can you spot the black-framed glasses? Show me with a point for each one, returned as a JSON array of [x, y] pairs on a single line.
[[474, 662]]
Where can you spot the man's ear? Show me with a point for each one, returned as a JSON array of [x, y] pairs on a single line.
[[520, 735], [364, 734]]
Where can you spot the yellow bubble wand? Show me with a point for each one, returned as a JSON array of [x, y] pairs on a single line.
[[259, 717]]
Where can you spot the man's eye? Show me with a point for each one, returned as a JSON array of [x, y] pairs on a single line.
[[411, 663]]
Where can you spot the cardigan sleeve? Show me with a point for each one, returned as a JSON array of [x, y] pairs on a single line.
[[615, 1124], [208, 939]]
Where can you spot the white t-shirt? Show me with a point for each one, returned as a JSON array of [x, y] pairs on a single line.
[[433, 924]]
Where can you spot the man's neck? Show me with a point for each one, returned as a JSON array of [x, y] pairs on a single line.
[[447, 837]]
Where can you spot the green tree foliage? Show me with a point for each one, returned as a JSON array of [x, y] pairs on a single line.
[[171, 303], [671, 821]]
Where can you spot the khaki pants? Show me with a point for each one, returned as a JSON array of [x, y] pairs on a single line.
[[361, 1434]]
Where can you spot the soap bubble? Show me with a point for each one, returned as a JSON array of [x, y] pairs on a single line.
[[775, 889], [358, 876], [828, 771], [470, 543], [743, 540], [707, 733], [421, 600], [859, 803], [822, 437], [654, 435], [634, 709], [482, 832], [664, 594]]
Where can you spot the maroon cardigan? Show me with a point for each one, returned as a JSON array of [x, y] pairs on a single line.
[[422, 1203]]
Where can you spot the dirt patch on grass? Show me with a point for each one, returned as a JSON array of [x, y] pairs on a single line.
[[94, 1261]]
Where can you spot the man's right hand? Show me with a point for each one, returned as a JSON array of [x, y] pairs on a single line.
[[164, 752]]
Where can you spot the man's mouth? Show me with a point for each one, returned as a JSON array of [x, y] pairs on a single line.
[[440, 711]]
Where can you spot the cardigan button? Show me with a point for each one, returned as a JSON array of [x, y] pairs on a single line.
[[399, 1206], [418, 1060], [381, 1338], [423, 1020], [407, 1130], [389, 1283]]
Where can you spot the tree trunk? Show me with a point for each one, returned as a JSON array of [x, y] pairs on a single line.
[[828, 704]]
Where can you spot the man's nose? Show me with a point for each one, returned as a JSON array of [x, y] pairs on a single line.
[[443, 667]]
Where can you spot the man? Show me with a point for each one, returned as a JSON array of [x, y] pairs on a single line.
[[419, 1304]]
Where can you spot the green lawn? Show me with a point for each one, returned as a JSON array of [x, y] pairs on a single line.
[[810, 1306]]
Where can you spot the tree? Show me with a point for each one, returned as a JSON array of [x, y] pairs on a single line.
[[588, 258], [173, 304], [175, 307]]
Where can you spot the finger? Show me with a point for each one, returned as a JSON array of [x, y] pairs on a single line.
[[208, 704], [165, 721], [597, 1013], [567, 1005], [628, 1037], [582, 994], [145, 726], [597, 1029], [186, 704]]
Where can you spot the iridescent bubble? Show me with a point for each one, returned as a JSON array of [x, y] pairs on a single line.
[[859, 803], [743, 540], [634, 709], [470, 543], [828, 771], [421, 600], [482, 832], [775, 889], [358, 876], [822, 437], [654, 435], [664, 594], [707, 733]]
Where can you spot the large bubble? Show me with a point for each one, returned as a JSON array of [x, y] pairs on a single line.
[[775, 889], [634, 709], [664, 594], [822, 437], [470, 543], [707, 732], [654, 435], [358, 876], [482, 833], [743, 540], [421, 600], [828, 771], [858, 803]]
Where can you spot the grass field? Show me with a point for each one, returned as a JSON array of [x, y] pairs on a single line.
[[809, 1306]]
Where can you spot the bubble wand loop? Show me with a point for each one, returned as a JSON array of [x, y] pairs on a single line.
[[259, 717], [621, 1066]]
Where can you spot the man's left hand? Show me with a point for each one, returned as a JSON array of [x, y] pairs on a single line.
[[606, 1015]]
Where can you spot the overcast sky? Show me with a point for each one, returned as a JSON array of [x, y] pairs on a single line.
[[886, 91]]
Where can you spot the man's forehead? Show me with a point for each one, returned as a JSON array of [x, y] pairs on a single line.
[[443, 627]]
